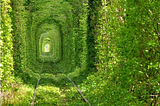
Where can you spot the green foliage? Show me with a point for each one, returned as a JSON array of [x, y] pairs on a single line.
[[52, 32], [19, 18], [18, 95], [47, 95], [100, 91], [6, 46], [109, 48], [128, 45]]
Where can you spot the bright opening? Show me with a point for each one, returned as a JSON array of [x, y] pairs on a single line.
[[46, 48]]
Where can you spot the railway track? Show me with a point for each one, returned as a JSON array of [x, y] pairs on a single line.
[[51, 71]]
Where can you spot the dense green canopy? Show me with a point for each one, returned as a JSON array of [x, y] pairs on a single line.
[[109, 48]]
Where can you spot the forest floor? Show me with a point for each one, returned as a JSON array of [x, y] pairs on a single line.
[[51, 90]]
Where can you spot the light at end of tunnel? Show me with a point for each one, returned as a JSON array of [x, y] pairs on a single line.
[[46, 48]]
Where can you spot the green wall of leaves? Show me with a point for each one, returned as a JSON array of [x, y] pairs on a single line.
[[110, 48]]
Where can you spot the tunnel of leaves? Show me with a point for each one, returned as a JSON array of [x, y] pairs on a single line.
[[52, 20], [109, 48], [49, 43]]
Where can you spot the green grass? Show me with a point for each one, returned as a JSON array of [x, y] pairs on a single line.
[[20, 95]]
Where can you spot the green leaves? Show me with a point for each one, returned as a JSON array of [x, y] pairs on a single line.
[[6, 46], [117, 38]]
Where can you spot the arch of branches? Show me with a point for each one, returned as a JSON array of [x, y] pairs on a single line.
[[49, 43], [55, 31], [122, 43]]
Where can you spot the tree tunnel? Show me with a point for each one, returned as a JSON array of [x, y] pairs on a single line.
[[54, 32], [49, 39], [49, 26], [49, 46], [107, 50]]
